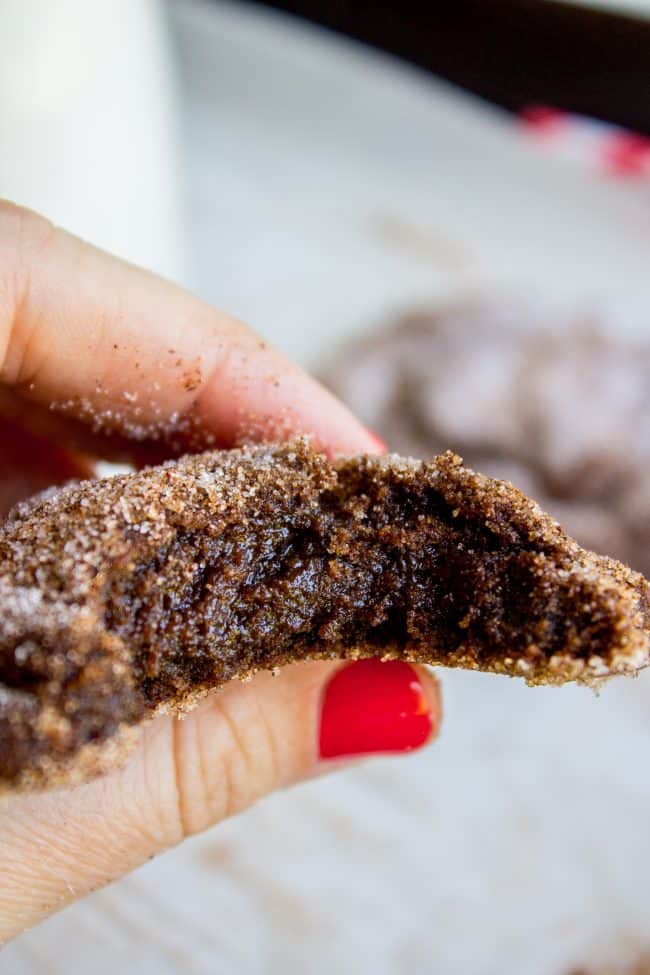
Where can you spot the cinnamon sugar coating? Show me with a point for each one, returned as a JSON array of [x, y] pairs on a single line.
[[130, 596]]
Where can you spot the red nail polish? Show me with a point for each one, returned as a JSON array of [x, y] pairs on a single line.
[[380, 444], [370, 706]]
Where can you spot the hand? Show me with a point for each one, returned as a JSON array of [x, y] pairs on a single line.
[[78, 330]]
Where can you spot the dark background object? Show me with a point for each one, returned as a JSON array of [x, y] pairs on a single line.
[[512, 52]]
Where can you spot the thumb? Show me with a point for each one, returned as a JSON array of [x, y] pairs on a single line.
[[188, 773]]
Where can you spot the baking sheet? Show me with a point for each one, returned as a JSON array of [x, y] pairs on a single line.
[[326, 187]]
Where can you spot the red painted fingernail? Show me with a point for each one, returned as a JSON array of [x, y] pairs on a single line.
[[380, 444], [370, 706]]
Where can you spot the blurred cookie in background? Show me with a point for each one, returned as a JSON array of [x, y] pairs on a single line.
[[560, 408]]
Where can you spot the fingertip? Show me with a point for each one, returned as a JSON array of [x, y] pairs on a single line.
[[380, 445], [433, 693], [261, 396], [377, 707]]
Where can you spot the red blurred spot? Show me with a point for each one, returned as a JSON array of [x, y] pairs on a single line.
[[627, 154], [542, 118]]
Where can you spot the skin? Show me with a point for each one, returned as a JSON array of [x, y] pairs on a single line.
[[78, 328]]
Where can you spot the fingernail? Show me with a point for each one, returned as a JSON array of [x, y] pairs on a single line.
[[380, 444], [372, 707]]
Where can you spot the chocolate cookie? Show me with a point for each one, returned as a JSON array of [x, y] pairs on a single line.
[[130, 596], [561, 410]]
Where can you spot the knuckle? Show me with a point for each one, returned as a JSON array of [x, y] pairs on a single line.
[[224, 760], [24, 236]]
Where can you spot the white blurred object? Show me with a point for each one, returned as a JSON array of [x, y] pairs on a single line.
[[87, 122], [636, 8], [613, 151]]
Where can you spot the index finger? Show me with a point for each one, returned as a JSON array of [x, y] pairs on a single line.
[[89, 336]]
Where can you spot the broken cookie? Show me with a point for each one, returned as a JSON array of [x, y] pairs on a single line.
[[132, 596]]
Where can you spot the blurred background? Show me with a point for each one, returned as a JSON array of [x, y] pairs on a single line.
[[444, 211]]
